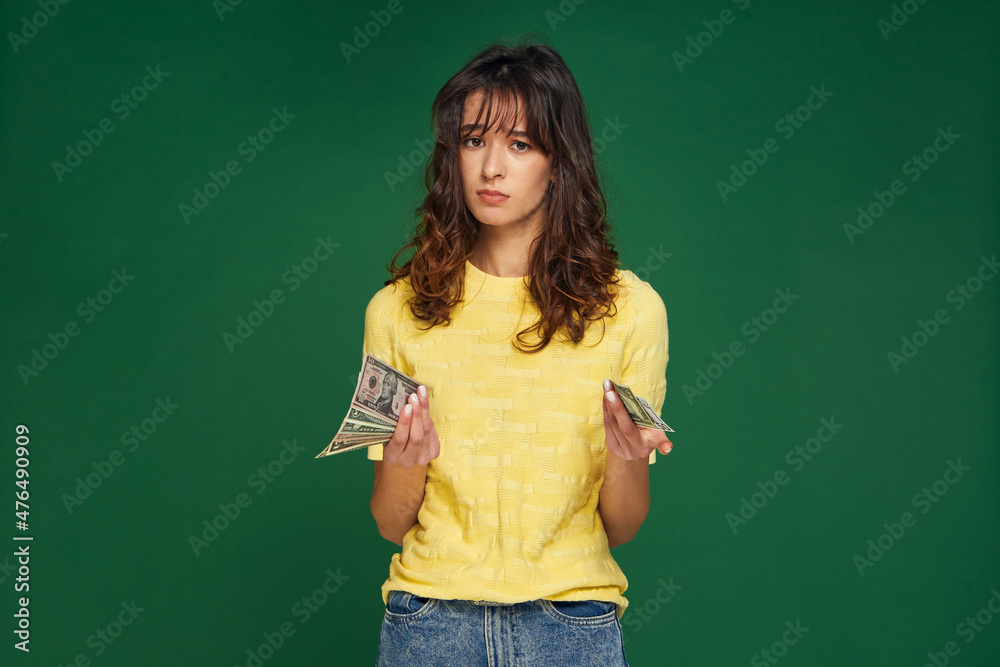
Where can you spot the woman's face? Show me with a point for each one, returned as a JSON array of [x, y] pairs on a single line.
[[519, 170]]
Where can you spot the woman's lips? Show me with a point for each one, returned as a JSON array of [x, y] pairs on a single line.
[[492, 199]]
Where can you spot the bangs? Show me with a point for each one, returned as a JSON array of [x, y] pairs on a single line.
[[503, 107]]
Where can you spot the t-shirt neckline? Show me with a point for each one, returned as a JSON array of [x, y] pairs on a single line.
[[477, 279]]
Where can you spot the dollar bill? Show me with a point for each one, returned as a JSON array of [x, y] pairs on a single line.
[[382, 390], [357, 415], [353, 427], [370, 437], [379, 397], [660, 424], [338, 448], [640, 410]]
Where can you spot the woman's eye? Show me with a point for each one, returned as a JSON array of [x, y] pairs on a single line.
[[519, 146]]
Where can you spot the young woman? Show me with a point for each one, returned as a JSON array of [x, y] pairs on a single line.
[[515, 467]]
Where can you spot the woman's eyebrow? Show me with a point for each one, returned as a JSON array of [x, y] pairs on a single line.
[[469, 127]]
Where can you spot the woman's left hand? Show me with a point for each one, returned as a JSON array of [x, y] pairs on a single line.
[[624, 438]]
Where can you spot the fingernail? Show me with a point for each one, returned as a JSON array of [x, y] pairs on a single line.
[[607, 385], [611, 396], [423, 391], [413, 398], [408, 409]]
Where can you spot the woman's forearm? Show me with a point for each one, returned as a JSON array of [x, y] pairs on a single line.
[[624, 500], [396, 498]]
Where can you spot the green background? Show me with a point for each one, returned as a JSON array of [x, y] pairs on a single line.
[[324, 176]]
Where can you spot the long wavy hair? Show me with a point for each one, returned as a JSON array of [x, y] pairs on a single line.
[[573, 262]]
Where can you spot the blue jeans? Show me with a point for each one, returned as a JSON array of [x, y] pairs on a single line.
[[441, 633]]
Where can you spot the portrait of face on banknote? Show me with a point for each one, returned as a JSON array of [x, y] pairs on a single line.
[[381, 391]]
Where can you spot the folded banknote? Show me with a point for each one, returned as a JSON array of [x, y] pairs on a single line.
[[640, 410], [379, 397]]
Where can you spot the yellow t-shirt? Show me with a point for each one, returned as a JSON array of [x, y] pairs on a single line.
[[510, 504]]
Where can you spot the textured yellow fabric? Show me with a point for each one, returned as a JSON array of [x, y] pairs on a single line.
[[510, 504]]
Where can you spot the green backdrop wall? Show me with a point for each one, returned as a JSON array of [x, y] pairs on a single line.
[[810, 186]]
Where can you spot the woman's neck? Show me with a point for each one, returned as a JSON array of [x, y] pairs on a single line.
[[505, 256]]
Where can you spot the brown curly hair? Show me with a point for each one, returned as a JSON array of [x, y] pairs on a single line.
[[573, 262]]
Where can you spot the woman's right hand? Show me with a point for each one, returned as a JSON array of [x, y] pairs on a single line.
[[415, 440]]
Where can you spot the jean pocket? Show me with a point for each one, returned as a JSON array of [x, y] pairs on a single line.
[[403, 606], [581, 612]]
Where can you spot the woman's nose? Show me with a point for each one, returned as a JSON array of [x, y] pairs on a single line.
[[492, 159]]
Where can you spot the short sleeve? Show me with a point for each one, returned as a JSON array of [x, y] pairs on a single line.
[[380, 338], [646, 350]]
